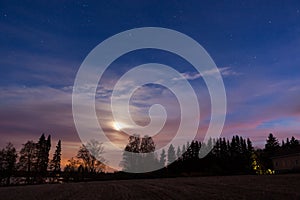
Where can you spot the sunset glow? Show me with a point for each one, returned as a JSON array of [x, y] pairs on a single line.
[[255, 48]]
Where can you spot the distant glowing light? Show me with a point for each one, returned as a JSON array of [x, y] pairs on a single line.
[[117, 126]]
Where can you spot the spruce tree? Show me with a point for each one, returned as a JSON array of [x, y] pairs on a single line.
[[171, 154], [43, 148], [178, 153], [55, 163], [162, 159]]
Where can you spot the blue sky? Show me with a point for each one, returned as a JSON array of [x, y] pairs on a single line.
[[256, 44]]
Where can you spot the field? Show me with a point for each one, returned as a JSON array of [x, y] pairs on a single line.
[[225, 187]]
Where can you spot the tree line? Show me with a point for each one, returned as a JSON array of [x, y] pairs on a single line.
[[31, 163], [227, 157], [87, 164]]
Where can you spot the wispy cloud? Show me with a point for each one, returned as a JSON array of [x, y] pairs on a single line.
[[224, 71]]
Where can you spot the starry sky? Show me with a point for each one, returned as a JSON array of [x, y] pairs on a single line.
[[255, 44]]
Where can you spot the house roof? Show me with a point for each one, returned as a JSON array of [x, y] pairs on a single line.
[[286, 155]]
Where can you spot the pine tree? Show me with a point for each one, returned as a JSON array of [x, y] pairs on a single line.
[[178, 153], [183, 152], [171, 154], [195, 148], [223, 149], [43, 148], [294, 142], [249, 145], [271, 148], [183, 149], [287, 144], [162, 159], [282, 143], [55, 163], [272, 145]]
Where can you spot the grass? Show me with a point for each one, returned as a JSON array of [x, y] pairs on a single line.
[[218, 187]]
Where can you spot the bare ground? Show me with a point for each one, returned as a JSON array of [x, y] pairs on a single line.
[[226, 187]]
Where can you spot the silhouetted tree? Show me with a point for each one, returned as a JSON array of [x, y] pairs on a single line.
[[28, 159], [96, 149], [72, 165], [148, 159], [225, 157], [139, 154], [272, 144], [257, 164], [8, 158], [91, 156], [249, 145], [130, 161], [70, 170], [178, 153], [147, 145], [162, 159], [2, 165], [294, 142], [271, 148], [282, 143], [55, 162], [290, 146], [171, 154], [195, 148], [183, 149], [183, 152], [43, 148]]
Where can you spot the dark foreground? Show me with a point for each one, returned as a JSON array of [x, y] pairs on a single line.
[[228, 187]]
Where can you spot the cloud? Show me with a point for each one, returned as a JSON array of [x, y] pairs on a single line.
[[224, 71], [228, 71], [255, 106], [26, 112]]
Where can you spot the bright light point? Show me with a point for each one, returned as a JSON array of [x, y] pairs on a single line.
[[117, 126]]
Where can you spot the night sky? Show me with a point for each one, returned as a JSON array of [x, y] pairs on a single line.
[[255, 44]]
